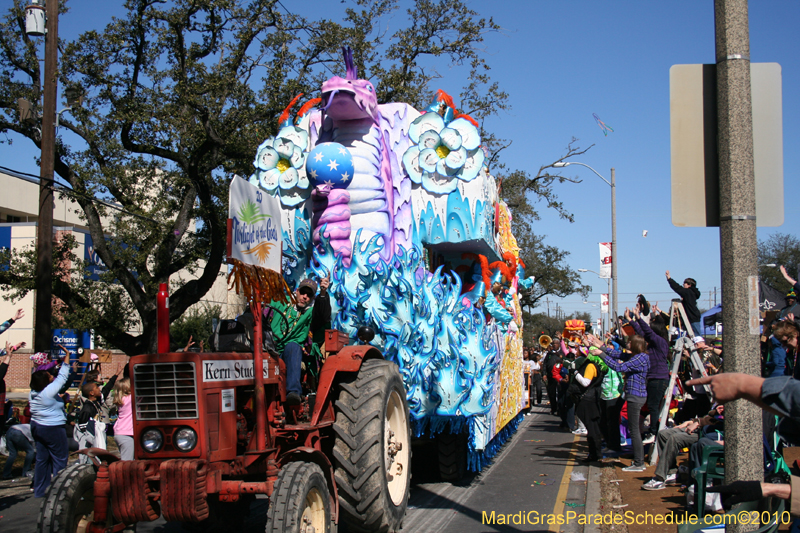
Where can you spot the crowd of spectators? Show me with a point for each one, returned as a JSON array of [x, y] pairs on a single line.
[[55, 423], [612, 390]]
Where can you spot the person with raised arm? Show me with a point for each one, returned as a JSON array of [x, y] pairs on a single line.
[[48, 417], [689, 295], [5, 360], [635, 369]]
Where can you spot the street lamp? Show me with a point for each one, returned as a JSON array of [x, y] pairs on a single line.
[[34, 14], [613, 186], [608, 315]]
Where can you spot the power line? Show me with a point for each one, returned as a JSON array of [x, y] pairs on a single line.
[[31, 178]]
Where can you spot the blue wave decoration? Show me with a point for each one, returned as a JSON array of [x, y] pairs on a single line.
[[446, 351], [477, 459]]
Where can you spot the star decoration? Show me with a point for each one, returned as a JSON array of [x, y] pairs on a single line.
[[333, 165], [329, 183], [343, 150], [313, 174], [345, 177], [318, 157]]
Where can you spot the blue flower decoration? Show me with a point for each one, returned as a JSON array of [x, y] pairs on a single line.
[[443, 153], [280, 166]]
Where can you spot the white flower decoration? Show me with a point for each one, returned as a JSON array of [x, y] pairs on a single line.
[[280, 166], [444, 153]]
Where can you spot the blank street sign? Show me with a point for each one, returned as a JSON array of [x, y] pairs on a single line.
[[693, 139]]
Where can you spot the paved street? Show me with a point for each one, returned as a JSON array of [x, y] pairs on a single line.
[[513, 483]]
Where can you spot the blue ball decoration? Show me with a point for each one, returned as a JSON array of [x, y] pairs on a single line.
[[330, 163]]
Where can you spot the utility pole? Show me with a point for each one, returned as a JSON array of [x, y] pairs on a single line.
[[44, 231], [614, 255], [738, 243], [547, 301]]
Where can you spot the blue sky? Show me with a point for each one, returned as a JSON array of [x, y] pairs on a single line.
[[560, 61]]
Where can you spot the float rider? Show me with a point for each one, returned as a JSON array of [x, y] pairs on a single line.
[[309, 315]]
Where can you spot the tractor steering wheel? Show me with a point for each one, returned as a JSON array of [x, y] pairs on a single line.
[[276, 336]]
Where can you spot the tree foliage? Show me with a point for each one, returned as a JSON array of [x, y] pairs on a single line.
[[178, 95], [548, 263], [195, 324], [779, 249]]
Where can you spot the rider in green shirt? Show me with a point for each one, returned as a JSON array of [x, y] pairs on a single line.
[[312, 313]]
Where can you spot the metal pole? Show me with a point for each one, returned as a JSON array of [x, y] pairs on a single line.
[[608, 311], [738, 243], [44, 231], [614, 240]]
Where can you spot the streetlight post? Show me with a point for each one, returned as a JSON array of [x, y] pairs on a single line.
[[608, 314], [44, 231], [613, 185]]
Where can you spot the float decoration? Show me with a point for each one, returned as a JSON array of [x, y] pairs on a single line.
[[407, 240], [258, 284]]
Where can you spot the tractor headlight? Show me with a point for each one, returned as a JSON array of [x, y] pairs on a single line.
[[152, 440], [185, 439]]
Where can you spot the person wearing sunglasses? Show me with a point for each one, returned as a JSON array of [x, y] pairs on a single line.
[[292, 325]]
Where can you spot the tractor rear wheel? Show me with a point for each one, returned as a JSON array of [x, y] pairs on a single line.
[[68, 506], [301, 501], [372, 449]]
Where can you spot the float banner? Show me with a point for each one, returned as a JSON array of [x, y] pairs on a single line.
[[256, 237], [605, 260], [604, 303]]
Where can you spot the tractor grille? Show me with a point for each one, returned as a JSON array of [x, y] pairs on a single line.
[[165, 391]]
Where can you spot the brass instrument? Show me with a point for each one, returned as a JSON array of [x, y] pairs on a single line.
[[545, 341]]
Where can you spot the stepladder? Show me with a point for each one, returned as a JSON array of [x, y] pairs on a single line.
[[684, 342]]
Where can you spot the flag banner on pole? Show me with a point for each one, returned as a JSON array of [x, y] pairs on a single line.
[[604, 303], [605, 260]]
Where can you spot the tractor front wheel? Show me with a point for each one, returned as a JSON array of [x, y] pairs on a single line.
[[68, 506], [301, 501], [372, 450]]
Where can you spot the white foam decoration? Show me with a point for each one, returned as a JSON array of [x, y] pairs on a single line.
[[419, 203], [287, 222], [439, 204], [473, 192]]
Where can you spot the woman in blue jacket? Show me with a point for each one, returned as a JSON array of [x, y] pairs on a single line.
[[47, 425]]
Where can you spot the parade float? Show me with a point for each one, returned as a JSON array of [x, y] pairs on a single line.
[[398, 208]]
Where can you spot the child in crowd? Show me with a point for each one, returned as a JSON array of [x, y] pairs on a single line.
[[123, 428], [90, 431]]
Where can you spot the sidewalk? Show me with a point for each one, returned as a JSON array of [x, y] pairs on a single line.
[[669, 500]]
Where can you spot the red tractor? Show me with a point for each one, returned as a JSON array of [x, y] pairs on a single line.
[[211, 434]]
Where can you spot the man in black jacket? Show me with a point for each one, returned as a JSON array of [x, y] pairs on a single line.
[[689, 295]]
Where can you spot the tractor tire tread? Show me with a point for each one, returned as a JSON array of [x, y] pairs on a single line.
[[282, 505], [358, 455], [54, 510]]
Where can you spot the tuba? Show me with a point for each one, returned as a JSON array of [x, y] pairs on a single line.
[[544, 341]]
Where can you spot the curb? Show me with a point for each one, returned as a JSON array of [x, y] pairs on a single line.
[[593, 498]]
